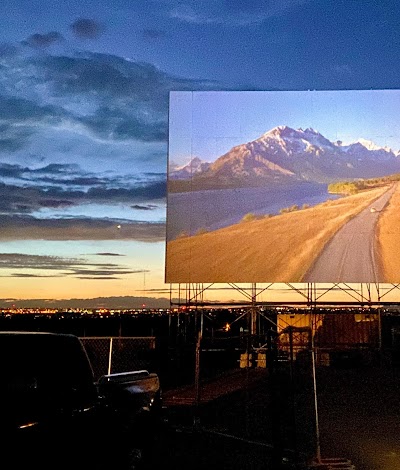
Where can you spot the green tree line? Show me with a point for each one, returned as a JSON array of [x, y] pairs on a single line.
[[353, 187]]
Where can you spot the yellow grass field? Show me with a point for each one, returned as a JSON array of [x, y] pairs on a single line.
[[389, 239], [276, 249]]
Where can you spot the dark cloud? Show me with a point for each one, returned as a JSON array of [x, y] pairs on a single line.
[[134, 96], [153, 190], [101, 272], [19, 109], [10, 145], [85, 181], [12, 137], [79, 268], [23, 261], [153, 33], [85, 28], [108, 254], [147, 207], [56, 168], [44, 40], [120, 125], [19, 120], [29, 228], [129, 100], [135, 128], [8, 50], [53, 203], [79, 181], [22, 275], [88, 74], [59, 175], [10, 171], [16, 200], [98, 278]]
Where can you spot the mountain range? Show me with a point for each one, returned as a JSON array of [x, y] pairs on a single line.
[[284, 156]]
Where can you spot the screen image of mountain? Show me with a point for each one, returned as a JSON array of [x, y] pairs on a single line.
[[276, 186]]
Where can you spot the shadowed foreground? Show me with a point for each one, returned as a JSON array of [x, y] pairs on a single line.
[[266, 426]]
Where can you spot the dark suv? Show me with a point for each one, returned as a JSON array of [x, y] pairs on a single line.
[[54, 415]]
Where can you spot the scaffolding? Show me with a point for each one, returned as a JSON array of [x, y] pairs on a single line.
[[304, 295]]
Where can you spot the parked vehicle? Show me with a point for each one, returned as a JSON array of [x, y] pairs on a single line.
[[54, 415]]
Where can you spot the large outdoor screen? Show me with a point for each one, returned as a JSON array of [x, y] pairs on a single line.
[[283, 186]]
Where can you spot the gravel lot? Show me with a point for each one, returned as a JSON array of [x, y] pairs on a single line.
[[271, 423]]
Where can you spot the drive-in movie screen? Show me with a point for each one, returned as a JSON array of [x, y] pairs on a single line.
[[283, 186]]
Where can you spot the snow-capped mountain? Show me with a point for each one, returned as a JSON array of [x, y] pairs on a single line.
[[371, 145], [195, 166], [284, 155]]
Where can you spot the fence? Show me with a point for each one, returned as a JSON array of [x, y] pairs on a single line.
[[339, 339], [120, 354], [175, 358]]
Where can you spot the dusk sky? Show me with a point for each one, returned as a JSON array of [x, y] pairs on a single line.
[[84, 105]]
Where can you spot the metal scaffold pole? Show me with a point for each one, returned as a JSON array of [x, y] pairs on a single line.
[[311, 291], [253, 329], [199, 327]]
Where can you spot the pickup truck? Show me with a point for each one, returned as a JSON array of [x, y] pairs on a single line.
[[54, 415]]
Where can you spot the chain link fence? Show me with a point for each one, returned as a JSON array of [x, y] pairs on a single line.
[[120, 354]]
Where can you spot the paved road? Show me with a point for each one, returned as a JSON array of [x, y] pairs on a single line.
[[350, 256]]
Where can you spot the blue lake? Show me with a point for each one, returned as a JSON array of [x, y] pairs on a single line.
[[210, 210]]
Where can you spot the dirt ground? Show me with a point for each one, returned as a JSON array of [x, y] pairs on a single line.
[[272, 423]]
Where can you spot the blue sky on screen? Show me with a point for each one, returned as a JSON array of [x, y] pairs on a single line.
[[84, 103], [208, 124]]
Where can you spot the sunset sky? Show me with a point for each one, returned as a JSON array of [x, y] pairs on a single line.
[[84, 103]]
